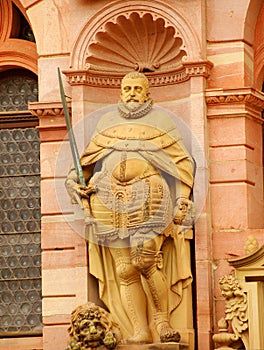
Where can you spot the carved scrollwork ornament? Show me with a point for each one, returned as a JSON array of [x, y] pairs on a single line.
[[236, 314]]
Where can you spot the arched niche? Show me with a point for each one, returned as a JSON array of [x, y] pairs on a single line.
[[15, 51], [251, 18], [124, 36]]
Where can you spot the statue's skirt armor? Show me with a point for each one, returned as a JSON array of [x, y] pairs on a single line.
[[124, 205]]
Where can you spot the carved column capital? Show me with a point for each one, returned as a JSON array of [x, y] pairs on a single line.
[[235, 102], [44, 109], [227, 96], [52, 126]]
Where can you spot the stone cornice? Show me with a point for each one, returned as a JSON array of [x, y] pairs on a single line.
[[249, 96], [113, 80], [43, 109]]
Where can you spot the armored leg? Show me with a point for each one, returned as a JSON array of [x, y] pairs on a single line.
[[147, 259], [132, 295]]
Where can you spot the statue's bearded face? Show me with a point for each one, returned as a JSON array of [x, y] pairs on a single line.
[[134, 92]]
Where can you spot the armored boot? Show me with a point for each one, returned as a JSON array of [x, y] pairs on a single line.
[[134, 300], [149, 263]]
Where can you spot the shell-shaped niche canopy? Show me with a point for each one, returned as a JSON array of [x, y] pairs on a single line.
[[135, 42]]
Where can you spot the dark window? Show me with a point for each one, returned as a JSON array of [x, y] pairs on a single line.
[[20, 252], [20, 27], [17, 89]]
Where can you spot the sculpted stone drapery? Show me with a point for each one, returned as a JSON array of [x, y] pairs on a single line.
[[137, 210]]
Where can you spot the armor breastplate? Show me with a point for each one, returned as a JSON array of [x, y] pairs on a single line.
[[127, 167]]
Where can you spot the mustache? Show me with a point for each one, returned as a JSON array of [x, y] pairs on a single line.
[[133, 100]]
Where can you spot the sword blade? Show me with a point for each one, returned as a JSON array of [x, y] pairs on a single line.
[[74, 148]]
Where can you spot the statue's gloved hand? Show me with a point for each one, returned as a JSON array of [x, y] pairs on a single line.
[[72, 189], [77, 191], [86, 191], [184, 212], [72, 186]]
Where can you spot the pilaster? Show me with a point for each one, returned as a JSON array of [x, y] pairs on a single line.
[[236, 175], [236, 158]]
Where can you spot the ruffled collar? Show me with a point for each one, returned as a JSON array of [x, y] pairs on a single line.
[[138, 113]]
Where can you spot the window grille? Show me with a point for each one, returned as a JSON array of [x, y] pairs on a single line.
[[20, 255]]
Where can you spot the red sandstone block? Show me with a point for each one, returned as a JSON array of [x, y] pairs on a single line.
[[204, 340], [58, 305], [256, 205], [55, 159], [55, 337], [235, 171], [221, 131], [227, 75], [54, 197], [223, 22], [63, 289], [236, 153], [58, 234], [202, 238], [76, 256], [98, 96], [203, 287], [229, 171], [58, 259], [29, 343], [253, 132], [59, 282], [56, 319], [228, 153], [52, 120], [204, 303], [229, 244], [229, 205], [228, 49], [50, 134]]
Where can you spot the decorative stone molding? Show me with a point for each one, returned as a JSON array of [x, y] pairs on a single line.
[[113, 80], [43, 109], [231, 103], [17, 118], [52, 126], [247, 95], [254, 261], [126, 36]]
